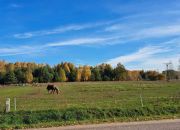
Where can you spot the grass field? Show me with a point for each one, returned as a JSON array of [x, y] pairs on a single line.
[[93, 94], [89, 102]]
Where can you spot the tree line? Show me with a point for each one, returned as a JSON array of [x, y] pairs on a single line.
[[23, 72]]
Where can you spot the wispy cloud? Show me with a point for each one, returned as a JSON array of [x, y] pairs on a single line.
[[159, 31], [127, 29], [158, 63], [51, 31], [140, 55], [82, 41], [147, 58], [134, 24], [21, 50], [144, 31], [61, 29], [71, 42]]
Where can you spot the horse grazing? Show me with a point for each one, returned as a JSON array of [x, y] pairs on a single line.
[[51, 89]]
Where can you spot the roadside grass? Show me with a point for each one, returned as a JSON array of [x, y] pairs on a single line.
[[83, 102], [44, 118]]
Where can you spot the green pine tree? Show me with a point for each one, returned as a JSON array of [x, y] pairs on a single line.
[[10, 78]]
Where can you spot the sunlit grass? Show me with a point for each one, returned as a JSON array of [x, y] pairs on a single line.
[[93, 95]]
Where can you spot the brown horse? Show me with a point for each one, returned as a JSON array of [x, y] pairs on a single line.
[[52, 89]]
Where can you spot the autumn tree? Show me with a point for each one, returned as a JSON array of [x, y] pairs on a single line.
[[27, 72], [161, 77], [133, 75], [71, 66], [78, 73], [9, 67], [66, 67], [62, 75], [2, 71], [17, 65], [86, 73], [28, 76], [2, 66], [152, 75]]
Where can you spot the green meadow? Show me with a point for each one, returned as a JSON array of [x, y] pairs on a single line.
[[92, 94], [91, 100]]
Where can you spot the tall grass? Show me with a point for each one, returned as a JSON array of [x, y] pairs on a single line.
[[27, 118]]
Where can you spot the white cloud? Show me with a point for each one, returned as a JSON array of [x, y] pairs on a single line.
[[80, 41], [72, 42], [140, 55], [158, 63], [24, 35], [9, 51], [143, 31], [129, 30], [116, 27], [51, 31], [159, 31], [62, 29]]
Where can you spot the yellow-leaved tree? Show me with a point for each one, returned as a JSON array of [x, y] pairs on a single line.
[[79, 73], [86, 73], [28, 76], [62, 75]]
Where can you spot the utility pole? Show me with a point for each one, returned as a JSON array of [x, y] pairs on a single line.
[[179, 70], [167, 69]]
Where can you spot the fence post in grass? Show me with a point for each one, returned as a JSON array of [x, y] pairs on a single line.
[[14, 104], [141, 101], [8, 105]]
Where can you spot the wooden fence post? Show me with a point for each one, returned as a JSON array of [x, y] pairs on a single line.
[[141, 101], [14, 104], [8, 105]]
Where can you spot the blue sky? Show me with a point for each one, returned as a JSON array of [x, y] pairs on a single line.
[[141, 34]]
